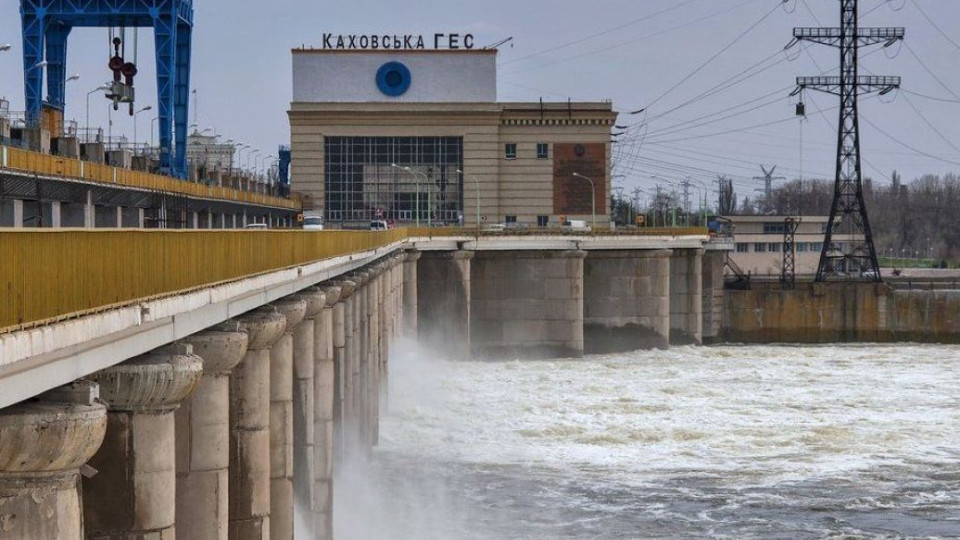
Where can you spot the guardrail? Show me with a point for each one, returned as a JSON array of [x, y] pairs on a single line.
[[53, 274], [35, 163]]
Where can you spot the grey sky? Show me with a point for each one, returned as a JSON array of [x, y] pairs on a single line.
[[241, 68]]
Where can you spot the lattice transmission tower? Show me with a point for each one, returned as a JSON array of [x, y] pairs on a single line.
[[845, 256]]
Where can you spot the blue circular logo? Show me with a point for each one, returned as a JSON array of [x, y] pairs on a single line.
[[393, 79]]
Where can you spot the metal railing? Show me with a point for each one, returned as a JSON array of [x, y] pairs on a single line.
[[53, 274], [35, 163]]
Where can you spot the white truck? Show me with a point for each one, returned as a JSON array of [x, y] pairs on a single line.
[[313, 220]]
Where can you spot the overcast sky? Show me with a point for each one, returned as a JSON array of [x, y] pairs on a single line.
[[621, 50]]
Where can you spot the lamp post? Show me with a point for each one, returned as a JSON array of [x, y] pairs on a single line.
[[144, 109], [593, 199], [95, 90], [417, 195], [5, 47], [476, 184]]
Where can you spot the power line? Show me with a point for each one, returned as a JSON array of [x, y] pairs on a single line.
[[602, 32], [715, 56], [930, 71], [935, 25]]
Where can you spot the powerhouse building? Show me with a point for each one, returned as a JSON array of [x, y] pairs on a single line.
[[382, 134]]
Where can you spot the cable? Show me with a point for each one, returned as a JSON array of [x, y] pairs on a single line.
[[670, 129], [930, 71], [934, 24], [602, 32], [924, 96], [714, 57], [905, 145], [635, 40]]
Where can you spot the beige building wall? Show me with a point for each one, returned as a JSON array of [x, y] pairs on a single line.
[[749, 234], [521, 187]]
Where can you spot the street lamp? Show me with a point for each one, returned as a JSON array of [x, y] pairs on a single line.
[[152, 129], [417, 196], [5, 47], [144, 109], [103, 86], [253, 153], [476, 184], [593, 198], [74, 77]]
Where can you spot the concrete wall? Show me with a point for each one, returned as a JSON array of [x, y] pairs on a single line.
[[443, 302], [527, 304], [712, 288], [686, 296], [840, 312], [626, 300]]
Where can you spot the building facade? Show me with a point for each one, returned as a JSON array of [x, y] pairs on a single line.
[[759, 243], [381, 134]]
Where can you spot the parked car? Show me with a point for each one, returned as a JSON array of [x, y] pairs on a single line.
[[577, 225], [379, 225], [312, 221], [256, 226]]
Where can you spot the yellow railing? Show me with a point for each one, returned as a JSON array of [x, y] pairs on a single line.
[[47, 274], [49, 165]]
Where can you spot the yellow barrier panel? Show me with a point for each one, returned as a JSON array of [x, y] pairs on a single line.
[[48, 274], [49, 165]]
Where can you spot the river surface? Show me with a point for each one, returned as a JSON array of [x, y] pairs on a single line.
[[765, 442]]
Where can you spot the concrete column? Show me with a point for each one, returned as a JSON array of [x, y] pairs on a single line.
[[17, 213], [141, 217], [304, 394], [43, 444], [203, 438], [89, 212], [686, 297], [250, 427], [713, 262], [119, 211], [342, 343], [324, 392], [357, 356], [134, 496], [409, 309], [626, 300], [281, 422], [527, 304], [443, 302], [55, 214], [374, 358]]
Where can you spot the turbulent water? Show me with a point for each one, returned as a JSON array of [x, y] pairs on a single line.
[[838, 442]]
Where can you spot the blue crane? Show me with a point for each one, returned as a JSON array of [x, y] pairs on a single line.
[[46, 26]]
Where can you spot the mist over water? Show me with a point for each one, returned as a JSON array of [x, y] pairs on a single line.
[[834, 442]]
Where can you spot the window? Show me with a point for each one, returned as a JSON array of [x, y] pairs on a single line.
[[801, 247], [774, 247], [743, 247], [543, 151], [543, 221], [760, 247], [510, 219], [510, 151], [361, 185], [773, 228], [816, 246]]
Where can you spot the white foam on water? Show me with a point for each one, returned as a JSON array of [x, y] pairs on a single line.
[[745, 416]]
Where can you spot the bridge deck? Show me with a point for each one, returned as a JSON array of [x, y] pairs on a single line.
[[35, 164]]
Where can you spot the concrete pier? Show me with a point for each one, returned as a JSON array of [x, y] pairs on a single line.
[[342, 331], [713, 262], [409, 298], [43, 444], [527, 304], [324, 392], [304, 373], [626, 300], [133, 495], [686, 297], [443, 302], [203, 438], [250, 427], [281, 421]]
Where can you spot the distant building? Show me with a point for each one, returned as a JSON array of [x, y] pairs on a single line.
[[382, 133], [759, 243], [205, 153]]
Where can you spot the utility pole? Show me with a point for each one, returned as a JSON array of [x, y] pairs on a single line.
[[767, 190], [685, 184], [636, 204], [854, 260]]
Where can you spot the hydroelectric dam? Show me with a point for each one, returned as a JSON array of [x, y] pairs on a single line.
[[203, 384]]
